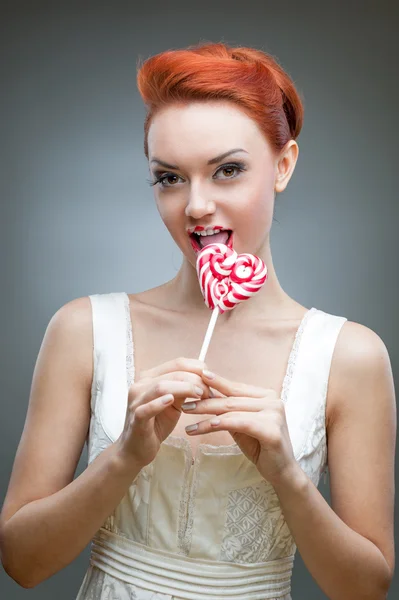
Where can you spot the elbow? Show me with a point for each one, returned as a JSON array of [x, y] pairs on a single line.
[[381, 592], [9, 561], [13, 574], [387, 580], [386, 587], [19, 578]]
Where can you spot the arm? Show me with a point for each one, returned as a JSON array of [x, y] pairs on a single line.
[[47, 517], [349, 548]]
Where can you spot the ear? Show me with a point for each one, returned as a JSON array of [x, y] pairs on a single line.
[[285, 165]]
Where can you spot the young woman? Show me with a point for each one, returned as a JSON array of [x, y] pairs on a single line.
[[217, 511]]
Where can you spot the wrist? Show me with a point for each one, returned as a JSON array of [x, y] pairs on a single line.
[[123, 463], [292, 478]]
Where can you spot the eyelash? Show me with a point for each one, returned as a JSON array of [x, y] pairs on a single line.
[[239, 166]]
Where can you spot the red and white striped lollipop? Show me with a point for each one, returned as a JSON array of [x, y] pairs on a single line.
[[227, 278]]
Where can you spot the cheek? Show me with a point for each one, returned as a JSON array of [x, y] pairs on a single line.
[[172, 217], [165, 212], [257, 210]]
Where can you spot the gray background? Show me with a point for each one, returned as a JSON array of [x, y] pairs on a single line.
[[76, 208]]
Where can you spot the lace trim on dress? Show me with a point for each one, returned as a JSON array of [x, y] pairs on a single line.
[[221, 449], [187, 538], [181, 442], [314, 449], [186, 509], [293, 355], [129, 343]]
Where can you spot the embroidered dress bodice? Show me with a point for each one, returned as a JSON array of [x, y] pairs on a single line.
[[208, 528]]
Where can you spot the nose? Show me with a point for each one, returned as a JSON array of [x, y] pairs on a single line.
[[199, 205]]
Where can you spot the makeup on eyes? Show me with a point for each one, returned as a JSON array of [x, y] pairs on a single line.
[[161, 176]]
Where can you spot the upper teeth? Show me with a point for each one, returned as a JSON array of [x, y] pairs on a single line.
[[209, 231]]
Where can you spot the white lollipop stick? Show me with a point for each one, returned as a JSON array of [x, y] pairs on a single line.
[[226, 278], [209, 332]]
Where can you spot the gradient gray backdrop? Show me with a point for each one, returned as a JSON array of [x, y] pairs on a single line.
[[76, 210]]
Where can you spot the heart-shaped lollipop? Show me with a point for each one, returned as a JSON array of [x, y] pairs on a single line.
[[227, 278]]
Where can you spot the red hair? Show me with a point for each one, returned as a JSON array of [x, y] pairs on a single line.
[[250, 78]]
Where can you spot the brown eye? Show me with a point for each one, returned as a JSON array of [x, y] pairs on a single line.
[[230, 171], [168, 178]]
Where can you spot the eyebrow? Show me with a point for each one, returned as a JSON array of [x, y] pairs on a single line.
[[212, 161]]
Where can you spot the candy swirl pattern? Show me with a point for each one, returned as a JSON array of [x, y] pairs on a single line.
[[227, 278]]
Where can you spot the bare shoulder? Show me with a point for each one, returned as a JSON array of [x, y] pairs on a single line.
[[361, 436], [360, 357], [75, 316], [58, 413], [71, 327]]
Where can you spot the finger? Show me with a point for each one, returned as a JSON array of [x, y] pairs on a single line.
[[180, 390], [194, 378], [189, 377], [145, 412], [212, 392], [177, 364], [217, 406], [235, 388], [238, 422]]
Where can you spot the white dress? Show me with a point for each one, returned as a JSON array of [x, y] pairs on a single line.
[[208, 528]]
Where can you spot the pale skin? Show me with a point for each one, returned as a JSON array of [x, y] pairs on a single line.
[[353, 537]]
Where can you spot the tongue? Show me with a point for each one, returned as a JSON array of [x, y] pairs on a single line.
[[216, 238]]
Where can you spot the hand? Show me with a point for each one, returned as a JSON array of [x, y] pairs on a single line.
[[149, 420], [255, 418]]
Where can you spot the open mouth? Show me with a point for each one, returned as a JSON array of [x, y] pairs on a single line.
[[198, 242]]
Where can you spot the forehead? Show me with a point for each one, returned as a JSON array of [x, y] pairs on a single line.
[[202, 129]]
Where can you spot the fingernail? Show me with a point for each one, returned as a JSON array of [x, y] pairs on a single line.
[[167, 399], [199, 390], [192, 427], [208, 374], [189, 405]]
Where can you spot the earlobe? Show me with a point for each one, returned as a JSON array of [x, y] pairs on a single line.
[[279, 184]]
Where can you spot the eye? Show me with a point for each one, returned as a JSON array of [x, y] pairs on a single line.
[[162, 178], [231, 167]]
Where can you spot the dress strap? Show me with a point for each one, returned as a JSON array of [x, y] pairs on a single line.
[[109, 388], [306, 402]]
